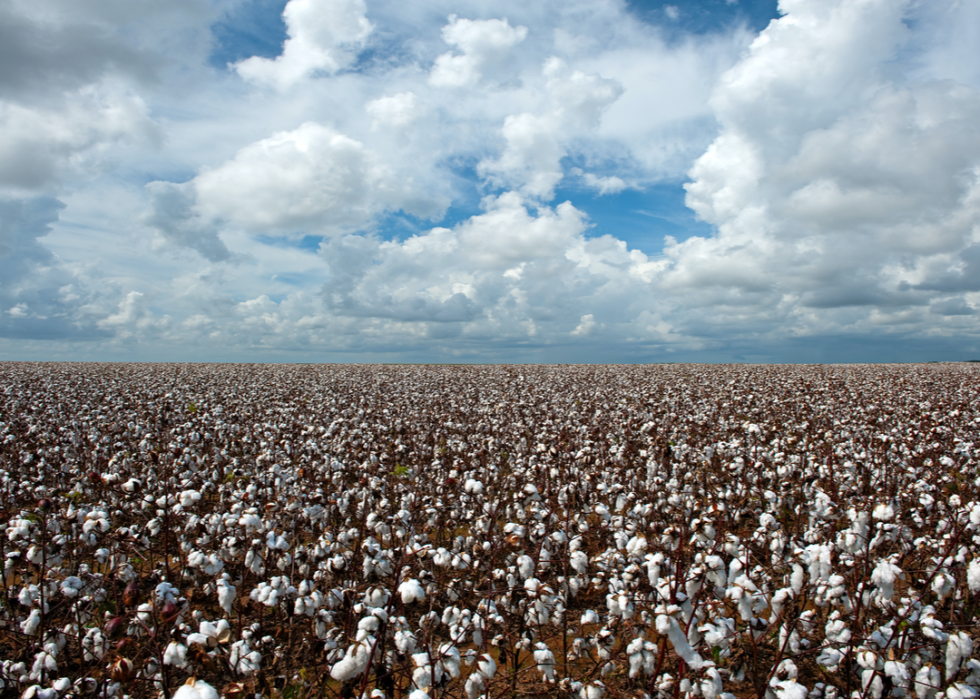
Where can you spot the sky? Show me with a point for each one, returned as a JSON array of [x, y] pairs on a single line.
[[462, 181]]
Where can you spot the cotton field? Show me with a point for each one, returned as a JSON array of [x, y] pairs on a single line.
[[672, 531]]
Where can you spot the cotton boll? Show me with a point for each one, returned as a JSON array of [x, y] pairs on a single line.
[[927, 682], [668, 626], [175, 654], [545, 660], [973, 575], [525, 564], [196, 689], [883, 512], [226, 594], [30, 625], [411, 591], [961, 691], [958, 647], [475, 686], [884, 576]]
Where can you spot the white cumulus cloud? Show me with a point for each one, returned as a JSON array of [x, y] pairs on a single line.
[[324, 36]]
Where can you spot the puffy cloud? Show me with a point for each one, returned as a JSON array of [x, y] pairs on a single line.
[[485, 46], [310, 179], [395, 111], [42, 145], [532, 156], [324, 36], [840, 194], [502, 276]]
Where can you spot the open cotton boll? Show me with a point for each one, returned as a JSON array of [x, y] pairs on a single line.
[[30, 625], [958, 647], [196, 689], [668, 626], [884, 576], [883, 512], [589, 617], [411, 591], [525, 564], [545, 660], [961, 691], [927, 682], [175, 654], [973, 575], [352, 664], [790, 689], [475, 686]]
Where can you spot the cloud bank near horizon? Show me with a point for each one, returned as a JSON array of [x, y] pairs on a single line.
[[461, 183]]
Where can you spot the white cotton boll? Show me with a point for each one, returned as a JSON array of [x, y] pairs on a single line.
[[226, 595], [545, 661], [30, 625], [473, 486], [884, 576], [790, 689], [197, 639], [189, 497], [637, 545], [711, 686], [405, 642], [961, 691], [927, 681], [796, 579], [449, 659], [475, 686], [525, 564], [942, 584], [345, 669], [883, 512], [589, 617], [196, 689], [411, 591], [175, 654], [166, 592], [898, 672], [579, 562], [418, 694], [596, 690], [352, 664], [487, 666], [668, 626], [973, 575], [958, 647]]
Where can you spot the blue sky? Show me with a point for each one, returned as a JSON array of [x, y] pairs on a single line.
[[450, 180]]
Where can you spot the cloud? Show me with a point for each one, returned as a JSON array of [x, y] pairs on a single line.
[[485, 47], [172, 213], [602, 185], [39, 297], [324, 37], [42, 145], [836, 189], [531, 159], [512, 274], [394, 112], [309, 179]]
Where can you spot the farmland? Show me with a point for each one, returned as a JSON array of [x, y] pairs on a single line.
[[673, 531]]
